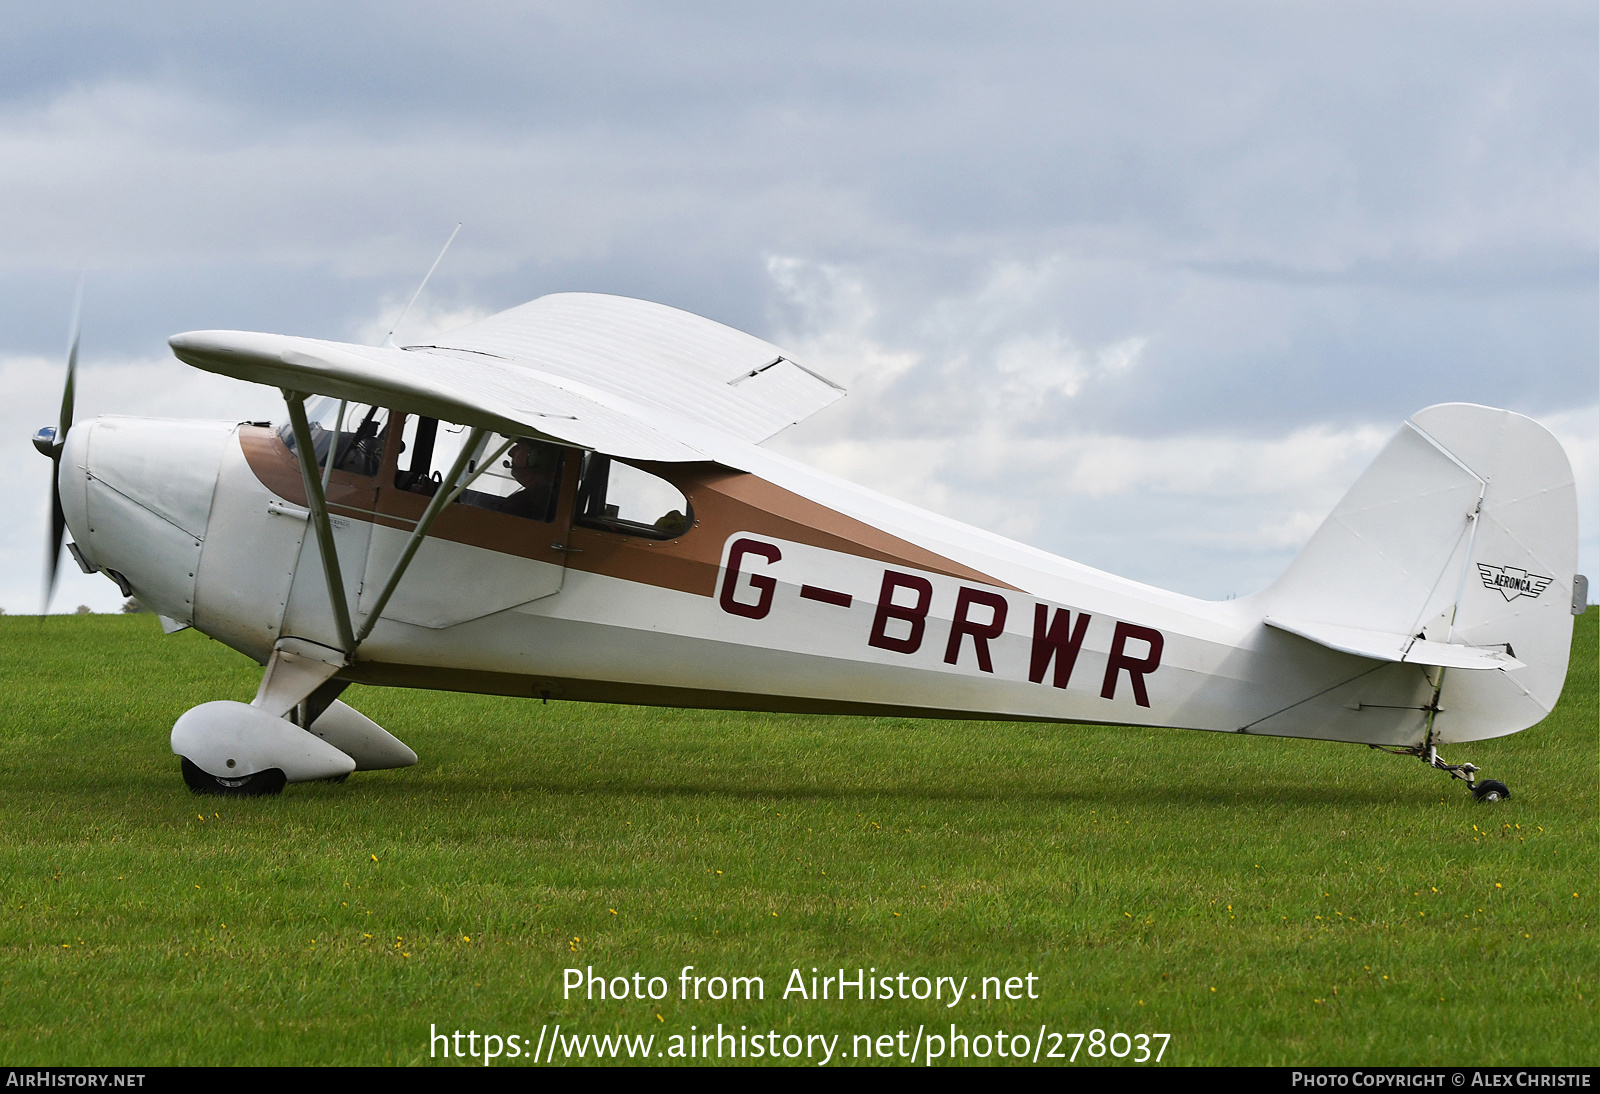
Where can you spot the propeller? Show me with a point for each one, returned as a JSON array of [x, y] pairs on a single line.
[[49, 440]]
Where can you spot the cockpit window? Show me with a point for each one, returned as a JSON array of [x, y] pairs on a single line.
[[355, 432], [621, 498], [525, 480]]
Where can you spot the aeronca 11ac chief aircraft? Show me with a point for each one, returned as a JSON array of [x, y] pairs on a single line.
[[569, 500]]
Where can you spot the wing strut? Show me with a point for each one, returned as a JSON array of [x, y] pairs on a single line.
[[448, 492], [299, 666], [319, 516]]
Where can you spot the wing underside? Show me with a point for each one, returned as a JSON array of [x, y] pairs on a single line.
[[624, 377]]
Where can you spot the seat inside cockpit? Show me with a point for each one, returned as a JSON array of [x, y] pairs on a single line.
[[618, 497], [524, 479]]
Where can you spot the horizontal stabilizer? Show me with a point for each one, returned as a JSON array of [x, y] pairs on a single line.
[[1409, 649]]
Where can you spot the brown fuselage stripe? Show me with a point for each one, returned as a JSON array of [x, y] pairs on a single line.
[[724, 501]]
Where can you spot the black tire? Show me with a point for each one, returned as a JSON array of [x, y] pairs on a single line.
[[1490, 790], [270, 781]]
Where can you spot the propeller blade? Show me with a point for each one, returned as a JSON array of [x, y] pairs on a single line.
[[58, 518], [68, 394], [58, 535]]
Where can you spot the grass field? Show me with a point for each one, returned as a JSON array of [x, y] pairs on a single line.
[[1263, 901]]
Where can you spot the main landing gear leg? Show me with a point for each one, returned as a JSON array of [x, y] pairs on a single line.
[[1483, 790]]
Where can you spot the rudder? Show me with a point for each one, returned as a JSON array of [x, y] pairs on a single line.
[[1463, 531]]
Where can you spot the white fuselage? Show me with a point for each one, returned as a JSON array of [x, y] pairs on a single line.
[[179, 511]]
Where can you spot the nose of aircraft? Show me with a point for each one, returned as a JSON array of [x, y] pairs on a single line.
[[136, 494], [45, 440]]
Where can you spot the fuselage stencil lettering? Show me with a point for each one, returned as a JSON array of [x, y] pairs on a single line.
[[904, 602], [764, 586]]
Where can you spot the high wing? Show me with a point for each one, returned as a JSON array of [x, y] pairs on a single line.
[[625, 377]]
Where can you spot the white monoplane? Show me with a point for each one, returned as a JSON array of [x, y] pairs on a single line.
[[569, 500]]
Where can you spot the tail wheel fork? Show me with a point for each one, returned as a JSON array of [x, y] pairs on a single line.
[[1485, 790]]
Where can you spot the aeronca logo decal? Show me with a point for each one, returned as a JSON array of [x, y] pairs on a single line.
[[761, 580], [1511, 582]]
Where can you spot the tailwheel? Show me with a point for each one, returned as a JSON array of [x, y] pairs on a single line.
[[1490, 790], [200, 781], [1483, 790]]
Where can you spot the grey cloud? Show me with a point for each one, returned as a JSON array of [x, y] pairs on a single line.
[[1303, 214]]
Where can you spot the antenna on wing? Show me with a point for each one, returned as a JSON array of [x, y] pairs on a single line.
[[388, 339]]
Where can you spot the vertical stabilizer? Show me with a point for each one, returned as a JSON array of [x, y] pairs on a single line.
[[1463, 531]]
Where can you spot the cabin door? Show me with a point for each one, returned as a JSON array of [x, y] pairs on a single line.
[[501, 544]]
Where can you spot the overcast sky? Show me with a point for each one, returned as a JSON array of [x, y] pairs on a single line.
[[1146, 285]]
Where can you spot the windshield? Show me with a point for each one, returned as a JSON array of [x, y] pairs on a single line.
[[359, 430]]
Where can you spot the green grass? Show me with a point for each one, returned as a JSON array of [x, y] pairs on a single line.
[[1264, 901]]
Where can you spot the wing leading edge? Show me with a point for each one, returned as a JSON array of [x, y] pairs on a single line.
[[624, 377]]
